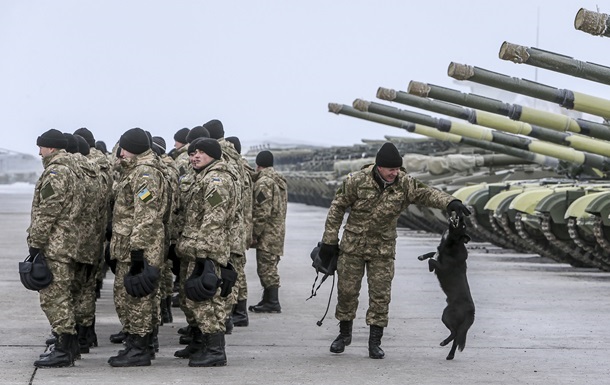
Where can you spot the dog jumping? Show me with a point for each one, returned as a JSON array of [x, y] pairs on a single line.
[[449, 264]]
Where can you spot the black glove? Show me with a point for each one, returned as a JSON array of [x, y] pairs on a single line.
[[327, 251], [33, 251], [137, 261], [458, 207]]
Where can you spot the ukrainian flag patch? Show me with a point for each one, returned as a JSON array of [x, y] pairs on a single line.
[[145, 195]]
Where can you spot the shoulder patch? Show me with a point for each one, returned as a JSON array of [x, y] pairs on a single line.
[[216, 180], [260, 197], [144, 194], [214, 198], [146, 175], [53, 172], [47, 191]]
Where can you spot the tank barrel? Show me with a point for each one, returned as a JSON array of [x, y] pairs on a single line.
[[554, 62], [483, 133], [498, 122], [557, 122], [593, 23], [342, 109], [566, 98]]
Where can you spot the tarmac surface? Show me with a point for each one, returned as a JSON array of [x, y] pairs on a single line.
[[537, 322]]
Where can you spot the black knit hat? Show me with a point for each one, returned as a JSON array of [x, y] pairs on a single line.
[[388, 156], [264, 159], [87, 135], [197, 132], [207, 145], [215, 128], [101, 146], [83, 146], [72, 146], [52, 139], [158, 145], [180, 135], [135, 141], [236, 143]]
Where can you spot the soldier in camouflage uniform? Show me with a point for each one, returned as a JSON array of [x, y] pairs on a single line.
[[179, 142], [375, 196], [268, 230], [56, 206], [181, 155], [210, 207], [138, 237]]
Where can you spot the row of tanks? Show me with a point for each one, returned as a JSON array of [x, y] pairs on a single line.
[[536, 181]]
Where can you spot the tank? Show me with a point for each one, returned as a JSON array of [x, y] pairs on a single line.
[[566, 98], [555, 62], [593, 23], [557, 122], [487, 119], [482, 133]]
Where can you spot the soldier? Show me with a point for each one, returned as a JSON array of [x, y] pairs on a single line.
[[138, 239], [210, 209], [180, 142], [375, 195], [181, 156], [55, 208], [268, 230]]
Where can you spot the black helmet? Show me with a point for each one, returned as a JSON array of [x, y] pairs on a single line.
[[34, 272], [203, 282], [143, 283]]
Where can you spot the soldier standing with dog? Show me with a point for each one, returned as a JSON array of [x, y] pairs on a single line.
[[375, 195]]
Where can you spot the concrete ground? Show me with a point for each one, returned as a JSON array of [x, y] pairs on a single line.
[[537, 322]]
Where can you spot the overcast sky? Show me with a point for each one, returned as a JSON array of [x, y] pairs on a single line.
[[266, 69]]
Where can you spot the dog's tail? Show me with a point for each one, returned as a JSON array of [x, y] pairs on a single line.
[[460, 335]]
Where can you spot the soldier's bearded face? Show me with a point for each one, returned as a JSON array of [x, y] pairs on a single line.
[[388, 174]]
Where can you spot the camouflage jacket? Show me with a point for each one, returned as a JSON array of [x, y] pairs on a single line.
[[247, 201], [182, 161], [173, 178], [210, 210], [371, 224], [56, 206], [139, 209], [237, 237], [269, 211]]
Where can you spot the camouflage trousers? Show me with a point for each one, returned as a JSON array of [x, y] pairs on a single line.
[[56, 300], [350, 271], [83, 292], [166, 284], [240, 289], [136, 314], [266, 268], [209, 314], [184, 274]]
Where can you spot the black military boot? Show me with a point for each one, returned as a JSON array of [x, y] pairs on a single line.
[[264, 299], [195, 346], [82, 337], [375, 335], [273, 303], [344, 338], [213, 354], [61, 355], [240, 314], [52, 339], [186, 339], [166, 310], [119, 337], [92, 335], [229, 324], [136, 354]]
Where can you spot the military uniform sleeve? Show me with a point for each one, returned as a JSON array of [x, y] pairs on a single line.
[[216, 208], [421, 194], [345, 196], [262, 205], [147, 186], [54, 195]]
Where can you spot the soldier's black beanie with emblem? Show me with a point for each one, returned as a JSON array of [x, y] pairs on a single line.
[[388, 156], [197, 132], [180, 135], [264, 159], [83, 145], [52, 139], [135, 140], [87, 135], [208, 145], [159, 145], [236, 143], [215, 129], [72, 146]]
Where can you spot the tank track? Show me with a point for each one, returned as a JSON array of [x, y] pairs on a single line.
[[598, 230], [589, 246]]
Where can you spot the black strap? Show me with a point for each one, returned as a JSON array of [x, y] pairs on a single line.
[[314, 292]]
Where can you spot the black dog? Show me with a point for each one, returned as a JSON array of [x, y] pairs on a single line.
[[449, 264]]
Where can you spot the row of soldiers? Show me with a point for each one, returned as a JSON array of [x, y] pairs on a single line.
[[194, 213]]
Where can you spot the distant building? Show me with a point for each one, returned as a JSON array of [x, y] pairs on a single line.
[[18, 167]]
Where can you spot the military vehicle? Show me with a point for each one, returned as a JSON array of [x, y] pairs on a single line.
[[594, 23]]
